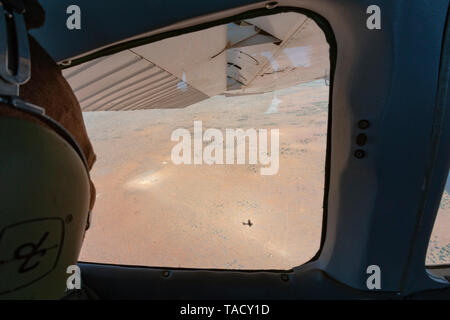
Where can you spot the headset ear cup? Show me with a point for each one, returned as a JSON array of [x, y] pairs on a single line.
[[44, 201], [39, 113]]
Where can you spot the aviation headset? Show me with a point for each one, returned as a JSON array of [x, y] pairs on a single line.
[[41, 235]]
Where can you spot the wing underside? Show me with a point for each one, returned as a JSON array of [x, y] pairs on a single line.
[[243, 57]]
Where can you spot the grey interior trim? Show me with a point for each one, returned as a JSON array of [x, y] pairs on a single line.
[[381, 208]]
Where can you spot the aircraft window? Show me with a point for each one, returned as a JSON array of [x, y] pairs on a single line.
[[210, 146], [439, 246]]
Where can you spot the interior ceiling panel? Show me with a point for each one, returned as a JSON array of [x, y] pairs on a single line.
[[128, 19]]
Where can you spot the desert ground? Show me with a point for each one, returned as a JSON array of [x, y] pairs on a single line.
[[152, 212], [439, 246]]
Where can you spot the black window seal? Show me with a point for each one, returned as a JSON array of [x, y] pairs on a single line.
[[326, 28]]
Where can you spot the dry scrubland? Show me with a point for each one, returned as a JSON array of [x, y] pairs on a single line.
[[152, 212]]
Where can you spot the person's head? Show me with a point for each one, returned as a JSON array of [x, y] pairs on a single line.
[[45, 190]]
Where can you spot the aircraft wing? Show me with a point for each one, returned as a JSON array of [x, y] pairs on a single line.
[[244, 57]]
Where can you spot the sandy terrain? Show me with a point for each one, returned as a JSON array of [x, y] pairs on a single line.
[[152, 212], [439, 247]]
